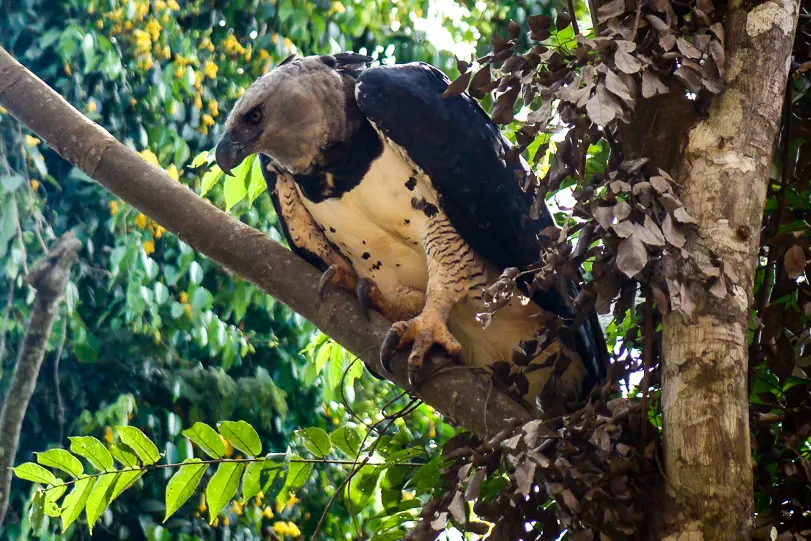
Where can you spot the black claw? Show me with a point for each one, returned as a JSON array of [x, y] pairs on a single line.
[[362, 290], [328, 275], [387, 350], [414, 366]]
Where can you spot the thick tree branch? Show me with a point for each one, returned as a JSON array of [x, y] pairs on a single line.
[[50, 278], [459, 394]]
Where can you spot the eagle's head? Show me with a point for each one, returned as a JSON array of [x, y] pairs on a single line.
[[290, 114]]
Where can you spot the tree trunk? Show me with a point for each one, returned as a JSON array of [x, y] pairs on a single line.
[[724, 172], [50, 278]]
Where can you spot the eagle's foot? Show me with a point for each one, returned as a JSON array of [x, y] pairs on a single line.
[[423, 332], [339, 275]]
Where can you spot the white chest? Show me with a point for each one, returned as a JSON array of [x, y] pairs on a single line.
[[376, 226]]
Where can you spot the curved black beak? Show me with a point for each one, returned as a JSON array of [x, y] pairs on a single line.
[[229, 153]]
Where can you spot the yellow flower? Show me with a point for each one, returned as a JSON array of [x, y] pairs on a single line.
[[274, 39], [338, 7], [133, 101], [128, 26], [214, 107], [267, 512], [184, 297], [166, 52], [3, 110], [91, 106], [280, 528], [210, 69], [158, 231], [143, 41], [237, 507], [207, 120], [292, 530], [291, 501], [113, 207], [31, 141], [198, 80], [68, 71], [408, 495], [225, 521], [35, 185], [180, 71], [154, 29], [187, 308], [216, 522], [173, 110], [149, 246], [100, 24], [141, 9], [173, 5], [173, 172], [263, 54], [289, 44], [108, 434], [432, 430], [149, 156], [202, 507], [140, 221], [232, 46], [160, 5], [145, 63], [198, 102]]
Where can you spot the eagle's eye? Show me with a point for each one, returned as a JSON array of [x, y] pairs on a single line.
[[254, 116]]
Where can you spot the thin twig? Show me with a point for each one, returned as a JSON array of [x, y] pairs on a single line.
[[573, 15], [60, 407]]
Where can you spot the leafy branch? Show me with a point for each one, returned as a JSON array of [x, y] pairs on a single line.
[[93, 493]]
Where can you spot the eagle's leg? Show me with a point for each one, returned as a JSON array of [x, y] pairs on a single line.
[[454, 272]]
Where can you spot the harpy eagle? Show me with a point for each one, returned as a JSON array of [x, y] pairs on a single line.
[[405, 196]]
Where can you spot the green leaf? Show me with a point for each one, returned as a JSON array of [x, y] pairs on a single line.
[[124, 455], [140, 443], [207, 439], [235, 187], [210, 178], [125, 481], [50, 498], [256, 182], [316, 440], [37, 512], [74, 502], [258, 475], [297, 473], [200, 159], [353, 372], [222, 487], [348, 440], [389, 536], [183, 484], [361, 487], [62, 460], [93, 450], [36, 473], [99, 498], [242, 436]]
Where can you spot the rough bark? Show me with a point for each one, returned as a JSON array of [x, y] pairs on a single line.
[[724, 172], [50, 278], [462, 395]]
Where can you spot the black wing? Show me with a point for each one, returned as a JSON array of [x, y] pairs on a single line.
[[455, 142]]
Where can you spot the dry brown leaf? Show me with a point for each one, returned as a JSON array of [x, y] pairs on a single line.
[[672, 232], [649, 233], [625, 45], [667, 42], [683, 217], [652, 85], [658, 24], [687, 48], [718, 30], [660, 184], [472, 491], [570, 500], [440, 522], [624, 229], [631, 256], [525, 476], [603, 215], [457, 508], [479, 83], [457, 87], [615, 8], [622, 210], [719, 55], [619, 186], [513, 29], [617, 86], [719, 289], [641, 187], [690, 79], [627, 63], [794, 262], [602, 108], [503, 110]]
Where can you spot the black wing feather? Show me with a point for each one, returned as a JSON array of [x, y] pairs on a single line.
[[454, 141]]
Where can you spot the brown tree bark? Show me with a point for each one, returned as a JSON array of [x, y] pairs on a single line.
[[462, 395], [724, 171], [50, 278]]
